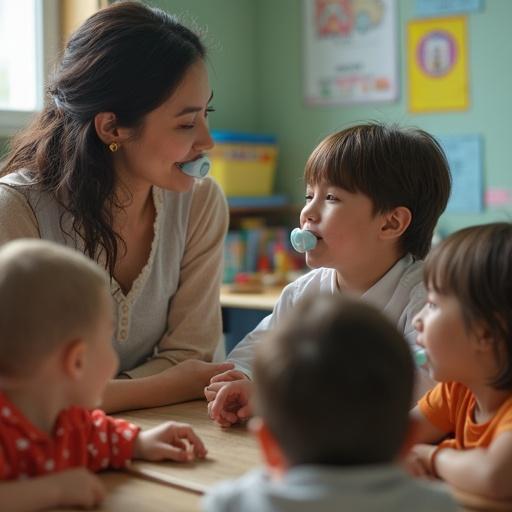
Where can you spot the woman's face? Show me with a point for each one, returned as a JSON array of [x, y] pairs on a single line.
[[173, 133]]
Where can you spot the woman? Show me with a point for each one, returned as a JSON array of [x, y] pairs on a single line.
[[100, 170]]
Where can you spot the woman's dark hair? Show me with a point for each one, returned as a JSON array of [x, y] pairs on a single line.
[[127, 59], [475, 266]]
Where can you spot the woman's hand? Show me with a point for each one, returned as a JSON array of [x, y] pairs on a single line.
[[191, 376], [220, 380]]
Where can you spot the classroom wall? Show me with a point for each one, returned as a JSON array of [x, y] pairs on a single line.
[[299, 128], [231, 42], [258, 73]]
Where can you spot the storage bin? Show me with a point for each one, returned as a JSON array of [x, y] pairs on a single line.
[[244, 164]]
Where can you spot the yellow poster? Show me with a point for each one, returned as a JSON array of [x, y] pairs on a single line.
[[437, 62]]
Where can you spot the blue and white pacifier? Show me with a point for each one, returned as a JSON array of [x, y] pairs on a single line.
[[420, 357], [197, 168], [302, 240]]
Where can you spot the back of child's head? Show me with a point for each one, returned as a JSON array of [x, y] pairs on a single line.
[[49, 294], [334, 384], [394, 167], [475, 266]]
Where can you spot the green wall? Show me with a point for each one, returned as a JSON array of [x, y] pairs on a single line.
[[231, 40], [281, 108], [258, 86]]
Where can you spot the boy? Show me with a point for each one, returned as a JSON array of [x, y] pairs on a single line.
[[56, 357], [373, 197], [333, 387]]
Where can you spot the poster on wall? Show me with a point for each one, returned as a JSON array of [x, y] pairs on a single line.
[[445, 7], [437, 64], [465, 157], [350, 51]]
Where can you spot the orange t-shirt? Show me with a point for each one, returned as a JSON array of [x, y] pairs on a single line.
[[450, 407]]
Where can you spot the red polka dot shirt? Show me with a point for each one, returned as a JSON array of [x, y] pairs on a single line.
[[80, 438]]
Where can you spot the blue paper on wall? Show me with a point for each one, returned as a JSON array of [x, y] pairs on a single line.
[[443, 7], [464, 154]]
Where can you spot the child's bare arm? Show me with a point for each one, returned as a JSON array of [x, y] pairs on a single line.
[[71, 488], [425, 431], [486, 472]]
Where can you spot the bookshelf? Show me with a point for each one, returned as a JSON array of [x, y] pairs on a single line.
[[242, 310]]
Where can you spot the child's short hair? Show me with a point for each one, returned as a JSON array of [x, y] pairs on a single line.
[[48, 294], [334, 384], [394, 167], [475, 265]]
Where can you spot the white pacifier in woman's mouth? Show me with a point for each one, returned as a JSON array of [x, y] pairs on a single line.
[[303, 240], [197, 168]]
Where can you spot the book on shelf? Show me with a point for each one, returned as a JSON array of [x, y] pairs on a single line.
[[257, 201], [259, 249]]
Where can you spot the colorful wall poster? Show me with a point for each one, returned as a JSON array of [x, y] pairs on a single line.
[[350, 51], [437, 64], [444, 7], [464, 154]]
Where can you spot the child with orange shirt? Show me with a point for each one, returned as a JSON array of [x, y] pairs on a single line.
[[56, 357], [466, 331]]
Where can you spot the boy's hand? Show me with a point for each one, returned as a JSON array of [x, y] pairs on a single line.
[[219, 380], [171, 440], [417, 461], [77, 487], [231, 404]]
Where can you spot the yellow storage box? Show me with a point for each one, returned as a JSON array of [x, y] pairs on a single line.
[[244, 164]]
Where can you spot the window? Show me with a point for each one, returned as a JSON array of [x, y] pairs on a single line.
[[29, 42]]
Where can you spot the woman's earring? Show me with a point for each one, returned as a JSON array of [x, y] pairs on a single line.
[[113, 146]]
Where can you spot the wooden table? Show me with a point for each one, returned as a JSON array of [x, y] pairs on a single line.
[[168, 486], [264, 301], [127, 493], [231, 452]]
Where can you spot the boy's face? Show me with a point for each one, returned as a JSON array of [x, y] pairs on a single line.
[[101, 360], [448, 343], [345, 226]]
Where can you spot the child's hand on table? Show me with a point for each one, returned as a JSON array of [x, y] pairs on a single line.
[[172, 441], [76, 487], [231, 403], [419, 460]]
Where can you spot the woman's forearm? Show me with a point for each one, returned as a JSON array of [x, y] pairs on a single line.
[[153, 391], [185, 381]]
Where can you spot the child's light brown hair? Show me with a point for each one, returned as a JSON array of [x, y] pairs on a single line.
[[49, 294], [334, 384], [475, 265], [394, 167]]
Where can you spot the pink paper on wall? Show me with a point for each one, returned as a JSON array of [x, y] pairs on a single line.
[[498, 196]]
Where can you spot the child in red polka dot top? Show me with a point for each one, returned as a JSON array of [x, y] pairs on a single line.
[[56, 357]]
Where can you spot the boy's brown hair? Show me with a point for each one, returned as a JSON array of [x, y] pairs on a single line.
[[334, 384], [49, 294], [394, 167], [475, 265]]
